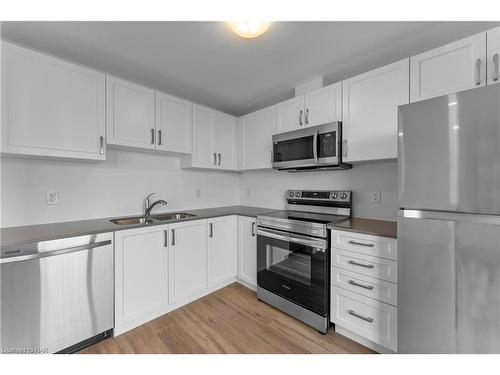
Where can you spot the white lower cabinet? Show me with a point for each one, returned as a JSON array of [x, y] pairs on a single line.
[[221, 245], [363, 300], [247, 250], [187, 259], [141, 276]]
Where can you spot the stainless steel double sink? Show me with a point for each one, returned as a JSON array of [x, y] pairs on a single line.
[[151, 219]]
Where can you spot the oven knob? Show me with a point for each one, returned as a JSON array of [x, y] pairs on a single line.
[[297, 194], [335, 195], [343, 196], [291, 194]]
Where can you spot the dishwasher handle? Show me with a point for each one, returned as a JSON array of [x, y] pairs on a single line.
[[52, 253]]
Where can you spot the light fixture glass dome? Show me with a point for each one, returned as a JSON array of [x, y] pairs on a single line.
[[249, 29]]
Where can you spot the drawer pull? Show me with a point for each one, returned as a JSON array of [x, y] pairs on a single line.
[[361, 243], [354, 263], [366, 319], [369, 287]]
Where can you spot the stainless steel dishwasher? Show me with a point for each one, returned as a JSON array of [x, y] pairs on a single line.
[[56, 295]]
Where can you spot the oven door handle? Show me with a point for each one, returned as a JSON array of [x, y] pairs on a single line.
[[302, 240]]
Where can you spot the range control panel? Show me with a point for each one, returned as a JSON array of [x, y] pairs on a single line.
[[319, 195]]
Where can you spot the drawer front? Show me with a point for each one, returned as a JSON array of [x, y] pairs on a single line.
[[367, 286], [365, 244], [366, 265], [374, 320]]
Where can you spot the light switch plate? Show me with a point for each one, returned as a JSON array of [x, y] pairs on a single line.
[[52, 198], [374, 196]]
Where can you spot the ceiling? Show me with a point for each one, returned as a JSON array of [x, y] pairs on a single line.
[[206, 63]]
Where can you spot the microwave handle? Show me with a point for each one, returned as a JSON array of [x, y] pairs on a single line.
[[315, 146]]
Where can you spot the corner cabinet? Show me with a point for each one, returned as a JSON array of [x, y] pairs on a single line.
[[370, 112], [256, 130], [457, 66], [247, 250], [221, 245], [213, 141], [313, 108], [50, 107], [141, 275]]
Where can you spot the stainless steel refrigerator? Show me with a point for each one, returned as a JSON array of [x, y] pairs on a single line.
[[449, 224]]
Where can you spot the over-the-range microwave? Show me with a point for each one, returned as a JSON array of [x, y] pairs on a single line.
[[313, 148]]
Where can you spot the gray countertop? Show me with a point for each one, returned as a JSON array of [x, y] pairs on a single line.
[[44, 232], [373, 227]]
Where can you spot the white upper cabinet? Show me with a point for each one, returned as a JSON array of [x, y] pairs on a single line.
[[256, 130], [370, 115], [323, 105], [130, 114], [50, 107], [493, 55], [214, 140], [221, 249], [313, 108], [173, 123], [290, 114], [226, 141], [457, 66]]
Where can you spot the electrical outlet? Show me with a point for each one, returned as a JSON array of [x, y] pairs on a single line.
[[374, 196], [198, 193], [52, 198], [248, 192]]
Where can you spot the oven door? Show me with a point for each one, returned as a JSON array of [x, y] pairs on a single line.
[[294, 267]]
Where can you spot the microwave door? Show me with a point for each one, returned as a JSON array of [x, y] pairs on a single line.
[[296, 151]]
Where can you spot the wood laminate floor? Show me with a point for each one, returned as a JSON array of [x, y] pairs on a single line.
[[230, 320]]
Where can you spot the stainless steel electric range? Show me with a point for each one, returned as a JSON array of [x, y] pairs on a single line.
[[293, 254]]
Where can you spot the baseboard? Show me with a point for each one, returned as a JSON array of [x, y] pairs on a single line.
[[363, 341], [118, 330], [246, 284]]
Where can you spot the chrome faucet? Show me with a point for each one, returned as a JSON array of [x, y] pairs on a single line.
[[149, 206]]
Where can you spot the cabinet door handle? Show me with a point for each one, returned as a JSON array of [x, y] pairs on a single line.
[[344, 149], [253, 229], [478, 72], [354, 263], [152, 136], [215, 158], [495, 67], [211, 230], [300, 117], [165, 238], [219, 158], [173, 237], [361, 243], [365, 318], [307, 116], [101, 149], [369, 287], [159, 137]]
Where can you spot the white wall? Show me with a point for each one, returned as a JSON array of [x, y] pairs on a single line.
[[111, 188], [267, 188]]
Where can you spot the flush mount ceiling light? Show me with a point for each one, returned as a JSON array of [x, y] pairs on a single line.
[[249, 29]]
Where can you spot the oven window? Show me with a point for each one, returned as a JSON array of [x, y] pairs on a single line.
[[294, 149], [288, 263]]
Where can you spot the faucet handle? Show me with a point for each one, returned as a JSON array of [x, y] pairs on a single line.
[[150, 195]]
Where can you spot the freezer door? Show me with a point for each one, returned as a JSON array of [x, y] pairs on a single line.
[[448, 283], [449, 152]]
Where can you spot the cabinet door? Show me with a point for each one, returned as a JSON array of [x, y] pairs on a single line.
[[256, 131], [51, 107], [204, 136], [493, 57], [187, 260], [130, 114], [247, 248], [323, 105], [141, 278], [173, 123], [454, 67], [370, 112], [290, 114], [226, 141], [221, 249]]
